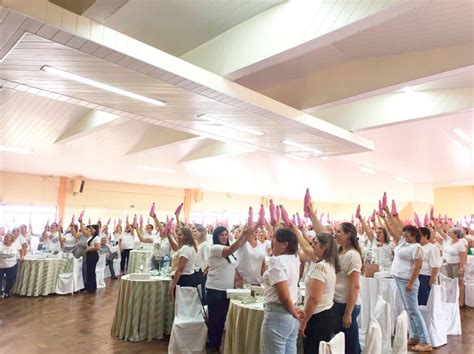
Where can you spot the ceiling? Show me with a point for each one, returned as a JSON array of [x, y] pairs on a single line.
[[413, 149]]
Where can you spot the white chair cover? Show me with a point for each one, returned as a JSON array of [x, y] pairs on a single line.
[[68, 283], [469, 294], [450, 298], [116, 265], [383, 314], [435, 317], [373, 339], [189, 332], [469, 272], [400, 341], [334, 346], [100, 271]]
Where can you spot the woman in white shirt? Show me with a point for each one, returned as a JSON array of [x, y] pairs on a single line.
[[250, 262], [9, 252], [220, 277], [280, 292], [126, 245], [346, 295], [405, 269], [320, 321], [202, 257], [381, 245], [430, 267], [186, 250], [69, 241]]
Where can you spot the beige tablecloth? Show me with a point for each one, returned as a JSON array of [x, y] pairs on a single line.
[[37, 277], [137, 258], [144, 310]]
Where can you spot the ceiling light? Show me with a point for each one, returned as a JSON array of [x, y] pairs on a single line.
[[15, 149], [100, 85], [302, 147], [407, 89], [296, 157], [462, 135], [156, 169], [230, 125], [368, 170], [401, 179], [325, 157]]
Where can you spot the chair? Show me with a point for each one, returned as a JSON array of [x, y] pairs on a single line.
[[400, 341], [68, 283], [334, 346], [383, 314], [116, 265], [469, 284], [450, 299], [435, 317], [189, 331], [100, 271], [373, 339]]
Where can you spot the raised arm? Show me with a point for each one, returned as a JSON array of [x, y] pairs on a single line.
[[247, 232], [305, 246], [140, 235], [317, 226], [158, 224], [174, 245], [368, 231]]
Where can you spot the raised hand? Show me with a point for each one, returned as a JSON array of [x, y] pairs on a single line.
[[152, 210]]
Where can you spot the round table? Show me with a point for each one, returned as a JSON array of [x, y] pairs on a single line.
[[38, 275], [137, 258], [243, 326], [144, 309]]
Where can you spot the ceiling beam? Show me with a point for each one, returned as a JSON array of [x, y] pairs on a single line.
[[92, 121], [157, 136], [211, 148]]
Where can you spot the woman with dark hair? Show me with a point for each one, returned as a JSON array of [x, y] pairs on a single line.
[[184, 259], [346, 295], [220, 277], [202, 257], [381, 245], [92, 255], [280, 292], [405, 269], [320, 322], [430, 267]]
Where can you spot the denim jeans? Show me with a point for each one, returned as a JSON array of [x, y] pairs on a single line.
[[351, 334], [418, 329], [10, 274], [424, 290], [279, 331]]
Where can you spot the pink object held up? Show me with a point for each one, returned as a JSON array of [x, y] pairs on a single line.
[[380, 208], [134, 220], [394, 208], [358, 212], [250, 217], [152, 210], [372, 218], [261, 215], [284, 216], [178, 209], [417, 220], [307, 201], [72, 219], [81, 216], [299, 220], [278, 214], [384, 200], [432, 213], [272, 212], [426, 221]]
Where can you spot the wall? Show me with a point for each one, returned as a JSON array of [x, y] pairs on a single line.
[[114, 199]]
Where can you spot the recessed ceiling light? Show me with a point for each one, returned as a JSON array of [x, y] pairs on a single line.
[[15, 149], [230, 125], [407, 89], [156, 169], [302, 147], [462, 135], [401, 179], [368, 170], [101, 85], [295, 157]]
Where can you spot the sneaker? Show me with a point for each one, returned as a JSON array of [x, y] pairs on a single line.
[[6, 295], [422, 347]]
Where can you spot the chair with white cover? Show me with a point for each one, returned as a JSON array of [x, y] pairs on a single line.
[[400, 341], [335, 345], [100, 271], [435, 317], [373, 338], [189, 331], [383, 314], [68, 283], [450, 298], [469, 283]]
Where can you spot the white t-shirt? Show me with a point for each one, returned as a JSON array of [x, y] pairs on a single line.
[[165, 247], [146, 245], [405, 255], [324, 272], [349, 262], [127, 241], [20, 241], [202, 257], [285, 267], [53, 244], [189, 253], [95, 239], [431, 258], [69, 240], [249, 262], [221, 273], [383, 254], [9, 255], [451, 251], [266, 245]]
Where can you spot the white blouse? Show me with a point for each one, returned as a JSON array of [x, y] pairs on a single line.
[[249, 262], [431, 258], [189, 253], [281, 268], [350, 262], [451, 250], [325, 273], [221, 271], [405, 255]]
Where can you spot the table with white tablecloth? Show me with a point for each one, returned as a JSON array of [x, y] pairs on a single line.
[[144, 309], [138, 258], [38, 275]]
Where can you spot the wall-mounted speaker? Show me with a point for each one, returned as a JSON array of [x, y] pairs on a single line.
[[78, 185]]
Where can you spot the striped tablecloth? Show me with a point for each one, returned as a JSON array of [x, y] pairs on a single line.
[[137, 258], [144, 310], [38, 276]]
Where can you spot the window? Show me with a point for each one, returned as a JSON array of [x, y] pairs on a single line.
[[13, 215]]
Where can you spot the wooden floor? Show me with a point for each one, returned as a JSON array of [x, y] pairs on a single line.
[[81, 324]]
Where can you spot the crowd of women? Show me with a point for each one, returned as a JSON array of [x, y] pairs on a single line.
[[329, 259]]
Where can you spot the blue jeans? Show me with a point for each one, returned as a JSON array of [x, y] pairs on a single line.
[[351, 334], [10, 274], [279, 331], [424, 290], [418, 329]]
